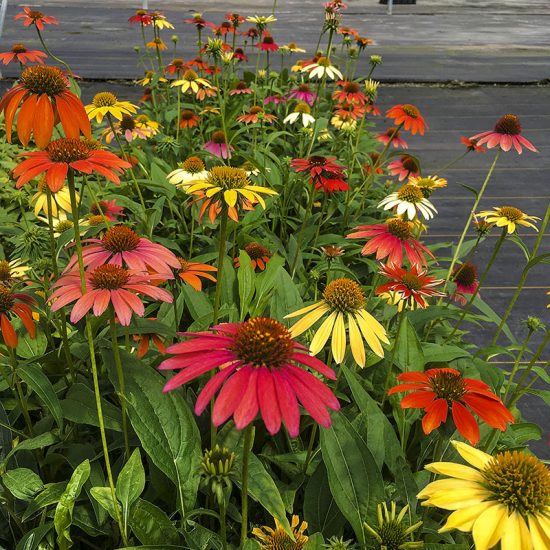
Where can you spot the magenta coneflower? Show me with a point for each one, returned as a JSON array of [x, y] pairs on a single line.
[[277, 98], [261, 369], [122, 246], [507, 132], [389, 239], [393, 135], [465, 278], [267, 44], [404, 167], [303, 93], [240, 55], [107, 285], [218, 145]]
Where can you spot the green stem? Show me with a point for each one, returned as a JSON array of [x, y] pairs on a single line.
[[307, 214], [516, 364], [450, 163], [223, 524], [47, 50], [311, 443], [91, 347], [523, 276], [120, 376], [247, 446], [401, 315], [20, 394], [220, 264]]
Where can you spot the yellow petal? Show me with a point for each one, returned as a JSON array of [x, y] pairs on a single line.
[[356, 342], [435, 488], [475, 457], [322, 334], [369, 335], [455, 470], [308, 320], [212, 191], [303, 310], [489, 526], [260, 199], [339, 339], [515, 534], [465, 518], [375, 326], [540, 534], [230, 197]]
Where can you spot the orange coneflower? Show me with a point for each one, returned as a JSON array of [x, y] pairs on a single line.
[[157, 43], [45, 97], [259, 256], [37, 18], [17, 304], [22, 55], [191, 272], [472, 145], [177, 66], [188, 119], [256, 114], [349, 111], [350, 92], [409, 116]]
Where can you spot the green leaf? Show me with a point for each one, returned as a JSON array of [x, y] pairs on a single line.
[[164, 424], [22, 483], [265, 283], [354, 479], [104, 497], [29, 348], [286, 296], [315, 542], [32, 539], [49, 495], [151, 525], [409, 355], [33, 376], [39, 442], [197, 302], [130, 484], [64, 510], [79, 407], [437, 353], [245, 276]]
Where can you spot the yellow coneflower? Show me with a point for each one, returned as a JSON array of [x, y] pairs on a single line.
[[107, 103], [190, 80], [427, 184], [343, 300], [509, 217], [12, 270], [61, 200], [278, 538], [157, 44]]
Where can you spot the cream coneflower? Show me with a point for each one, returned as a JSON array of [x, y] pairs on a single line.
[[503, 498], [192, 169], [105, 103], [343, 301], [509, 217], [322, 67], [61, 200], [12, 270], [409, 200], [302, 112]]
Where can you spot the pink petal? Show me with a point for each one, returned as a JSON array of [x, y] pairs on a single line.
[[212, 386], [248, 407], [269, 404], [230, 396]]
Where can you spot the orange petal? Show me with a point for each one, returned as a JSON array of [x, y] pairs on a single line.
[[25, 120], [43, 121]]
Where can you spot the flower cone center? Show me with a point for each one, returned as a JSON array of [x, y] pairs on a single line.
[[104, 99], [351, 87], [344, 295], [190, 75], [109, 277], [399, 228], [5, 271], [6, 299], [44, 80], [409, 164], [392, 535], [127, 123], [218, 462], [193, 165], [63, 226], [508, 124], [302, 107], [228, 177], [241, 85], [410, 193], [256, 251], [98, 207], [263, 342], [323, 62], [448, 385], [411, 111], [303, 88], [35, 14], [68, 150], [391, 131], [178, 62], [187, 114], [511, 213], [184, 265], [465, 275], [18, 48], [256, 110], [121, 239], [411, 281], [519, 481], [218, 137]]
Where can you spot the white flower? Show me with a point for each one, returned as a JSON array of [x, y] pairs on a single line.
[[183, 178], [409, 200], [307, 119], [322, 68]]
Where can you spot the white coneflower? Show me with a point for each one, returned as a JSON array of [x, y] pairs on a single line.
[[409, 200], [322, 68], [302, 112]]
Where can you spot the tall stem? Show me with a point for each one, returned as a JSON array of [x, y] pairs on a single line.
[[401, 316], [221, 256], [120, 376], [19, 393], [91, 347], [247, 447], [302, 229], [516, 364], [47, 50]]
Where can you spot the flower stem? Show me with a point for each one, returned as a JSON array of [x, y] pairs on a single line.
[[516, 364], [302, 229], [400, 317], [311, 443], [19, 393], [221, 256], [47, 50], [247, 447], [91, 347], [120, 376]]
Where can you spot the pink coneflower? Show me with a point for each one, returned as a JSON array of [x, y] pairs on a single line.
[[109, 209], [218, 145], [465, 278], [393, 134], [267, 44], [122, 246], [261, 369], [107, 285], [507, 132], [303, 93], [19, 53], [37, 18], [472, 145], [276, 99], [388, 240], [241, 88], [404, 167]]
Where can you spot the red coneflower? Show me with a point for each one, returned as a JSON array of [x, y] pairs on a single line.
[[199, 22], [261, 369], [256, 114], [251, 33], [507, 132], [410, 287], [350, 92], [259, 256], [141, 17], [22, 55], [177, 66], [16, 304], [188, 119], [223, 28], [217, 145], [438, 389], [465, 278], [404, 167], [389, 239], [368, 167], [109, 209], [235, 19], [323, 172], [37, 18], [409, 116], [393, 135], [64, 153], [144, 341], [106, 285], [122, 246], [472, 145], [240, 55], [241, 88], [191, 272], [45, 98], [267, 44]]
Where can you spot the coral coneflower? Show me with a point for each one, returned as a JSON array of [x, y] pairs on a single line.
[[45, 98], [191, 272], [389, 240], [259, 256], [109, 209], [106, 285], [199, 22], [437, 390], [503, 498], [20, 54], [15, 304], [105, 103], [261, 369], [350, 92], [256, 114], [404, 167], [344, 302], [507, 133], [144, 340], [122, 246], [157, 44], [391, 135], [218, 146], [241, 88], [472, 145], [37, 18], [409, 116], [409, 200], [408, 289], [509, 217], [64, 153], [279, 539], [465, 277]]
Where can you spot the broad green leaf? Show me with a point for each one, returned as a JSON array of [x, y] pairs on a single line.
[[197, 302], [354, 479], [49, 495], [29, 348], [130, 484], [245, 276], [151, 525], [286, 296], [164, 424], [315, 542], [22, 483], [104, 497], [33, 376], [64, 510], [409, 355], [39, 442], [32, 539], [436, 353], [5, 433]]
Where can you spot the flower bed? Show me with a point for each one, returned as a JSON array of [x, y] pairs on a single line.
[[220, 326]]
